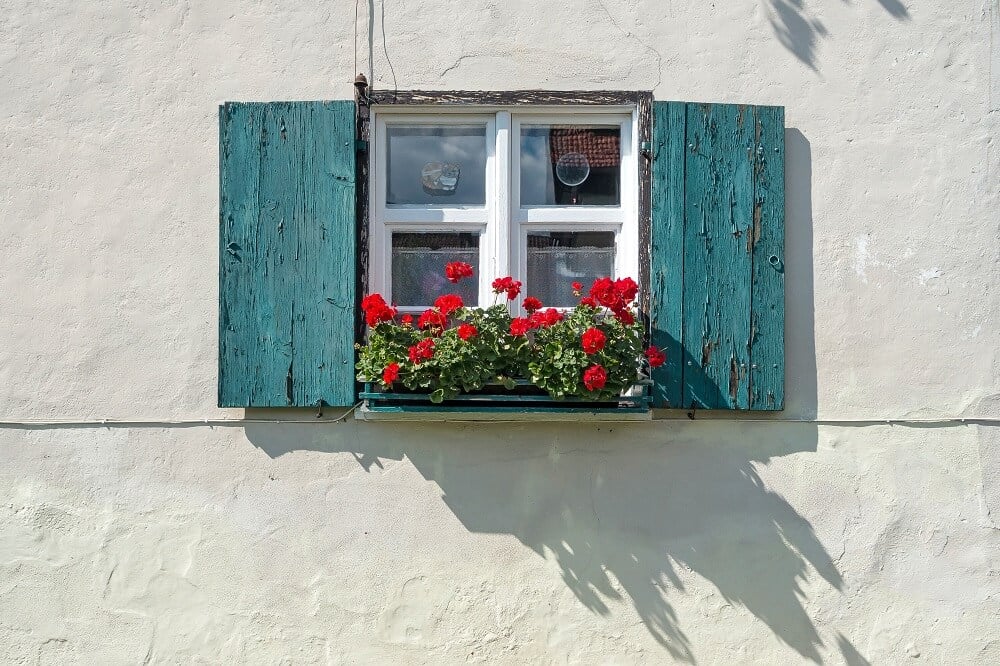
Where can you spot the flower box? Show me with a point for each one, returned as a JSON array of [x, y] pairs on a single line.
[[525, 398], [585, 359]]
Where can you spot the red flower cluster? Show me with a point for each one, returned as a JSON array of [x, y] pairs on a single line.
[[538, 319], [595, 377], [519, 326], [432, 319], [391, 373], [509, 285], [625, 316], [545, 318], [593, 340], [655, 356], [422, 351], [376, 309], [448, 303], [466, 331], [457, 270], [616, 295], [627, 289], [437, 317]]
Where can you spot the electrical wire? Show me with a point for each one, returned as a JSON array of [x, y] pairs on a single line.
[[235, 423], [385, 50], [355, 72]]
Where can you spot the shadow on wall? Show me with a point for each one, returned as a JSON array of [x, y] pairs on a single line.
[[800, 33], [625, 508], [800, 304]]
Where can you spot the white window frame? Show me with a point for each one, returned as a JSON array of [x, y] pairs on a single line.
[[503, 224]]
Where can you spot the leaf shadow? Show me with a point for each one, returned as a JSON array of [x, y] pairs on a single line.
[[800, 33], [628, 512]]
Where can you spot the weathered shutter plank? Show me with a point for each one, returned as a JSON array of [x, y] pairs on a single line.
[[718, 214], [287, 254], [767, 301], [717, 232], [667, 237]]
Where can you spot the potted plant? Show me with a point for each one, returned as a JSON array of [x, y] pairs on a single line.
[[590, 353]]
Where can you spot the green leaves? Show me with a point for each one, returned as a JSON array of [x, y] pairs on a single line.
[[550, 355]]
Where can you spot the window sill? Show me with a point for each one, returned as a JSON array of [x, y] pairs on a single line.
[[502, 406], [500, 414]]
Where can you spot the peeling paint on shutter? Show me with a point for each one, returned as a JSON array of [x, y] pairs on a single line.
[[716, 278], [286, 254]]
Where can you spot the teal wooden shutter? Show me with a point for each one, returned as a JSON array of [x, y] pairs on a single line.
[[717, 255], [287, 266]]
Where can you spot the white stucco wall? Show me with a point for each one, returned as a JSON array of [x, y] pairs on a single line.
[[808, 537]]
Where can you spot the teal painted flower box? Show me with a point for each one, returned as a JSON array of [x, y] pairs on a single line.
[[524, 398]]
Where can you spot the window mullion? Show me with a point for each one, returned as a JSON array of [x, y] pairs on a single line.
[[502, 220]]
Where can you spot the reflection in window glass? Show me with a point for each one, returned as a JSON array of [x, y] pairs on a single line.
[[418, 261], [558, 259], [570, 165], [436, 165]]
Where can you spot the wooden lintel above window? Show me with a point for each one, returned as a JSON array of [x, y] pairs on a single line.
[[511, 97]]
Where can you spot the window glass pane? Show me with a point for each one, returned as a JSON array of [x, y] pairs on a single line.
[[570, 165], [443, 165], [558, 259], [418, 261]]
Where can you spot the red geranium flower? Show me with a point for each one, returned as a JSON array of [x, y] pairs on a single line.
[[422, 351], [372, 301], [545, 318], [375, 316], [519, 326], [509, 285], [457, 270], [407, 319], [432, 319], [531, 304], [593, 340], [655, 356], [627, 289], [604, 292], [552, 316], [587, 300], [390, 373], [466, 331], [577, 288], [376, 310], [448, 303], [625, 316], [594, 377]]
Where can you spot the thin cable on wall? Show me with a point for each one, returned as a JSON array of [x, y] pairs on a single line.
[[340, 418], [356, 36], [385, 46], [385, 51]]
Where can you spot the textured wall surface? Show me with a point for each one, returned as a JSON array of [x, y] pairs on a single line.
[[709, 541]]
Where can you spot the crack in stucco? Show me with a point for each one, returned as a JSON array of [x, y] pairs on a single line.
[[457, 63]]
